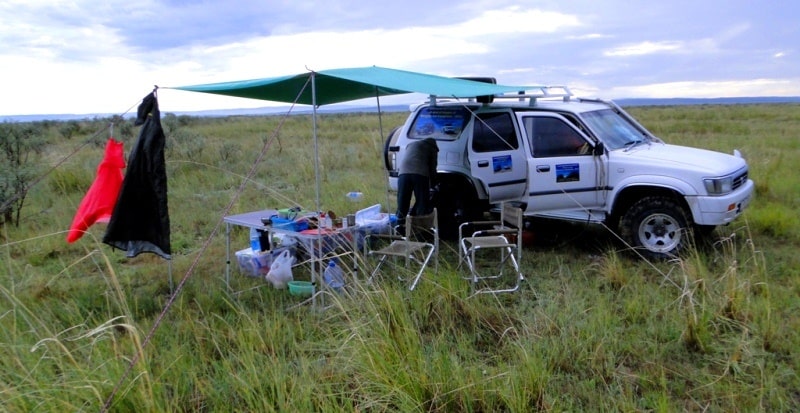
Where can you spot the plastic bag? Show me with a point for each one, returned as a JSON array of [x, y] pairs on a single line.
[[280, 272]]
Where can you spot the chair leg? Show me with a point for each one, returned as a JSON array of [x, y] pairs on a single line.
[[421, 269], [423, 260], [518, 278], [507, 255], [377, 268]]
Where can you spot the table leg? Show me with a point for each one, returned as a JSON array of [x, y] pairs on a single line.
[[228, 257]]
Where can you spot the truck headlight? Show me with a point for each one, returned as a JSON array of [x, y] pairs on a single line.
[[719, 186]]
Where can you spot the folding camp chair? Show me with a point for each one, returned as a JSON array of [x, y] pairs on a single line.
[[501, 237], [417, 245]]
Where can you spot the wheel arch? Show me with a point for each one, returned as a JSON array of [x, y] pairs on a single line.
[[390, 145], [627, 196]]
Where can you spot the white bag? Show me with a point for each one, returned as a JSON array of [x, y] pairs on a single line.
[[280, 272]]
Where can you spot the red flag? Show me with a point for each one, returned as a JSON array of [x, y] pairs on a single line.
[[99, 201]]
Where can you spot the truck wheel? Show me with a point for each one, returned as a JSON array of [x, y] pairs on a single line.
[[455, 206], [656, 226]]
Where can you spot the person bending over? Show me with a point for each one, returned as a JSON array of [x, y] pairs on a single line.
[[417, 171]]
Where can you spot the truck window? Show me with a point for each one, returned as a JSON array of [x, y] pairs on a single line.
[[494, 132], [551, 137], [439, 122], [614, 130]]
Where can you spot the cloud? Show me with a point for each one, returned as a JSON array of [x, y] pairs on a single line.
[[405, 48], [727, 88], [644, 48], [83, 56], [79, 48], [513, 20], [589, 36]]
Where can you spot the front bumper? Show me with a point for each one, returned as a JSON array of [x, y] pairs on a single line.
[[721, 210]]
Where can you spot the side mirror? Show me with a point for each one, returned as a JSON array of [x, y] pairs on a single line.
[[599, 149]]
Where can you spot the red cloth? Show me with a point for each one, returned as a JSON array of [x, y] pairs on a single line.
[[99, 201]]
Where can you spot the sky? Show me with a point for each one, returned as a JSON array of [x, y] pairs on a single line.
[[89, 56]]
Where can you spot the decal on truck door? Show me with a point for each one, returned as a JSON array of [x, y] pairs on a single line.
[[502, 163], [568, 172]]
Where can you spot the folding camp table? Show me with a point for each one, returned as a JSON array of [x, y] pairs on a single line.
[[316, 243]]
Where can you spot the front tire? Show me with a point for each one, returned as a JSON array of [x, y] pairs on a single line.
[[657, 226]]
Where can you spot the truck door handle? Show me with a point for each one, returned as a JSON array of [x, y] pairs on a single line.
[[542, 168], [483, 164]]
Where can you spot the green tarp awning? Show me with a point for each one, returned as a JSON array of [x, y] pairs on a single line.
[[342, 85]]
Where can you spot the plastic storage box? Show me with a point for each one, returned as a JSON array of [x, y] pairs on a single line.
[[289, 224], [257, 263], [253, 263], [371, 220]]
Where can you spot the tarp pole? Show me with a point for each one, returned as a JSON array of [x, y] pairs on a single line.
[[380, 117], [316, 278], [380, 138], [314, 131], [171, 288]]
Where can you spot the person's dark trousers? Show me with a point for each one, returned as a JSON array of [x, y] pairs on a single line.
[[416, 184]]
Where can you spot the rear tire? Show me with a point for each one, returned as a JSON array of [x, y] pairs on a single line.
[[656, 226], [455, 205]]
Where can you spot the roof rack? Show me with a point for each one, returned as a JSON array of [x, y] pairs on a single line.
[[537, 92], [532, 93]]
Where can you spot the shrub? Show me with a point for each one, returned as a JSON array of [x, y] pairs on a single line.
[[19, 143]]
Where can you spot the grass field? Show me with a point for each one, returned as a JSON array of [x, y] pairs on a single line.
[[593, 329]]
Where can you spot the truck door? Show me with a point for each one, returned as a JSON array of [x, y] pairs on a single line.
[[496, 156], [564, 176]]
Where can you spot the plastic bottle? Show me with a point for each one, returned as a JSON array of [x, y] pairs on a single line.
[[333, 276], [255, 240], [328, 221], [354, 196], [324, 220]]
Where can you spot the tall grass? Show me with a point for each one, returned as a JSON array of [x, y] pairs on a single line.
[[593, 329]]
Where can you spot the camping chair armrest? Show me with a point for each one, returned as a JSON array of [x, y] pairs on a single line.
[[383, 238], [477, 224], [496, 231], [389, 237]]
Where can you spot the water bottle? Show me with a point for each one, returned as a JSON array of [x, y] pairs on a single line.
[[333, 276], [255, 240], [354, 196]]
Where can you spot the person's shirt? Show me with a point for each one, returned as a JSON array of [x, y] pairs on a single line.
[[420, 158]]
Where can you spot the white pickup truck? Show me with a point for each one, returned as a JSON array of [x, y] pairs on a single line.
[[574, 159]]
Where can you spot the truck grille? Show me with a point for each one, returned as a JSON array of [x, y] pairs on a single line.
[[739, 180]]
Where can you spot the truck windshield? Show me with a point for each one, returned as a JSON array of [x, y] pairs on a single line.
[[614, 130]]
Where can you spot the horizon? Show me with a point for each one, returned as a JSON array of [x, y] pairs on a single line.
[[396, 107]]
